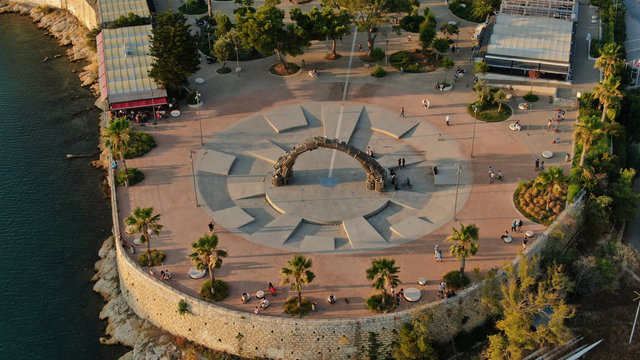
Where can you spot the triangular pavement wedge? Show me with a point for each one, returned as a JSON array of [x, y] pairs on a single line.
[[339, 121], [282, 121]]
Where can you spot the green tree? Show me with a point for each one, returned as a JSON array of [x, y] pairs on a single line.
[[464, 243], [441, 45], [223, 24], [223, 49], [384, 274], [449, 29], [206, 255], [611, 60], [265, 30], [371, 15], [480, 9], [608, 94], [174, 51], [130, 19], [244, 7], [481, 68], [533, 310], [500, 97], [625, 201], [588, 130], [297, 274], [116, 138], [414, 340], [427, 30], [142, 221], [326, 24], [446, 64]]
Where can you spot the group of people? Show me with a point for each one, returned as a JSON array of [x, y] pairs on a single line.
[[517, 225], [459, 72], [313, 73], [370, 151], [493, 176], [440, 86], [264, 303], [539, 166], [164, 274], [397, 295]]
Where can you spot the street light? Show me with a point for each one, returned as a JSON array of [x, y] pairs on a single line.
[[455, 204], [475, 117], [199, 118], [193, 176], [237, 61]]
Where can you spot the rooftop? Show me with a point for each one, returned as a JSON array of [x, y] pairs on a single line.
[[553, 9], [111, 10]]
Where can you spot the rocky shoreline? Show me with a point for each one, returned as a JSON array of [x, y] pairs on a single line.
[[124, 326], [67, 30]]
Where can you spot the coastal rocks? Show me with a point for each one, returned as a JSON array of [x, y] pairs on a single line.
[[124, 326], [68, 31]]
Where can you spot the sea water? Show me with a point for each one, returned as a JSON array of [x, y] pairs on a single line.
[[53, 216]]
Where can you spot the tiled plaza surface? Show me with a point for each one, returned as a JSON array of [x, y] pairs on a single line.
[[223, 164]]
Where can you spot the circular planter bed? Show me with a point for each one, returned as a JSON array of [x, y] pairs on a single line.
[[195, 106], [279, 70], [491, 113], [224, 70]]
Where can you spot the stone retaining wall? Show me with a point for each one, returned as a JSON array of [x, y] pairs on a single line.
[[250, 335]]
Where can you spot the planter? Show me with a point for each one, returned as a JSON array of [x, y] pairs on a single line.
[[194, 106], [448, 88]]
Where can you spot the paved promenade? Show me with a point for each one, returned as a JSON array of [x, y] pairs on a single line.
[[232, 100]]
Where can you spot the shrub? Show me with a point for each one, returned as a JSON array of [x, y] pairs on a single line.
[[455, 280], [400, 59], [291, 306], [91, 37], [183, 307], [377, 54], [46, 9], [490, 113], [127, 20], [135, 176], [374, 303], [221, 290], [157, 257], [411, 23], [531, 97], [378, 72], [194, 7], [139, 144]]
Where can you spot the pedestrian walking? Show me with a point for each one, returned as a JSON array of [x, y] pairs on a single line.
[[439, 256], [492, 177], [519, 225], [542, 165], [524, 242], [440, 138], [359, 47], [303, 63], [426, 103], [403, 162], [490, 170], [549, 124], [402, 111], [435, 251], [514, 226], [448, 119], [537, 164], [409, 38], [399, 163], [211, 226]]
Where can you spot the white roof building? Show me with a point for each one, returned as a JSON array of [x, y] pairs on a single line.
[[110, 10]]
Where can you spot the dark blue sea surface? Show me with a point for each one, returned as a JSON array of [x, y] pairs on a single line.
[[53, 216]]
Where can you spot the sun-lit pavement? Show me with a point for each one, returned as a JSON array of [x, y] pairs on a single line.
[[250, 266]]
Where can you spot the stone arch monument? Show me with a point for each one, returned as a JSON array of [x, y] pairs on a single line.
[[283, 169]]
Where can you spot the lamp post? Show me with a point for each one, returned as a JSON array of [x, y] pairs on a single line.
[[193, 176], [455, 204], [386, 56], [237, 61], [199, 118], [475, 117]]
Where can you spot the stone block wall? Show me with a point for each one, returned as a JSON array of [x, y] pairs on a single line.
[[249, 335], [83, 10]]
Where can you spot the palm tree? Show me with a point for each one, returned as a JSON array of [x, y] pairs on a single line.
[[611, 59], [607, 93], [385, 273], [549, 181], [297, 274], [206, 255], [464, 245], [143, 222], [500, 97], [116, 137], [588, 130]]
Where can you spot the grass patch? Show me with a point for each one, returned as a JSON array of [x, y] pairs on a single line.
[[280, 70], [135, 176], [291, 306], [455, 280], [374, 303], [139, 144], [413, 61], [183, 307], [378, 72], [221, 290], [531, 97], [491, 113], [157, 257], [224, 70]]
